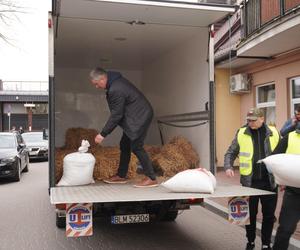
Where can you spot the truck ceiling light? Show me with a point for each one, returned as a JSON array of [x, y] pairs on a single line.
[[136, 22], [105, 60], [120, 39]]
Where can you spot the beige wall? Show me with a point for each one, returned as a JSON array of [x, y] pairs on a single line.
[[231, 109], [280, 75], [228, 110]]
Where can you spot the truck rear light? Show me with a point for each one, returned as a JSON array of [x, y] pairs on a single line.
[[60, 206], [195, 201], [49, 23]]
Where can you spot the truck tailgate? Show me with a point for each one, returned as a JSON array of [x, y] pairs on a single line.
[[102, 193]]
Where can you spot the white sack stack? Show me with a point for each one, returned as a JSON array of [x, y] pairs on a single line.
[[285, 168], [197, 180], [78, 167]]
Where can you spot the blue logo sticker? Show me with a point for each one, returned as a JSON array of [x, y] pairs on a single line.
[[79, 218], [238, 208]]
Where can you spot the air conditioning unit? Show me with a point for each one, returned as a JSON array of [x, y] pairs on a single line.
[[239, 84]]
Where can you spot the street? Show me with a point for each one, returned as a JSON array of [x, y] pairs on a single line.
[[28, 222]]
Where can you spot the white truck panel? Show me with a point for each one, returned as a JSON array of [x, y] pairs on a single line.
[[160, 12]]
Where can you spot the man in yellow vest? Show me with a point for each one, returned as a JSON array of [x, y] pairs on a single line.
[[290, 210], [254, 142]]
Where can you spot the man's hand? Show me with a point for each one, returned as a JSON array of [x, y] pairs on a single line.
[[294, 120], [229, 173], [98, 139]]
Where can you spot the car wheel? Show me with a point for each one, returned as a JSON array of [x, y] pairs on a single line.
[[17, 175], [60, 221], [26, 169]]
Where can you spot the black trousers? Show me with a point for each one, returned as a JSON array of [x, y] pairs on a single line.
[[288, 219], [268, 206], [136, 146]]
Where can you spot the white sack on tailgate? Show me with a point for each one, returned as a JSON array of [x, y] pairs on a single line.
[[285, 168], [192, 181], [78, 167]]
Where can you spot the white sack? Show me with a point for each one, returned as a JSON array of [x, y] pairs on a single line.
[[285, 168], [84, 146], [192, 181], [78, 168]]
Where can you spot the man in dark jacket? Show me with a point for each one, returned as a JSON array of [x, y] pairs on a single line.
[[291, 124], [254, 142], [133, 113], [290, 210]]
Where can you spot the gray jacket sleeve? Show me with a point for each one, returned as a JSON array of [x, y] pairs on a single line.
[[117, 106], [231, 154]]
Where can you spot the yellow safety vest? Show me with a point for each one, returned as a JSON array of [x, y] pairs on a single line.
[[294, 143], [246, 148]]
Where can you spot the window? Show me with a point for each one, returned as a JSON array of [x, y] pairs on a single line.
[[295, 94], [265, 99]]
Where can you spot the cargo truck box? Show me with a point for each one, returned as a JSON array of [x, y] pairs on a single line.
[[166, 49]]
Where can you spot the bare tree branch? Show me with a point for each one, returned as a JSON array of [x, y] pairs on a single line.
[[9, 10]]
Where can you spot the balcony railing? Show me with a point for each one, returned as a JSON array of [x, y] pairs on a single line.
[[259, 13]]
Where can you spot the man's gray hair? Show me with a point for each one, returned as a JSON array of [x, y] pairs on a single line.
[[97, 72]]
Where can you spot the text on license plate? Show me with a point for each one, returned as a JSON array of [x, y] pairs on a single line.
[[132, 218]]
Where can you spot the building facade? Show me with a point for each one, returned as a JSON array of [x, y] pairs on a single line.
[[257, 65], [23, 104]]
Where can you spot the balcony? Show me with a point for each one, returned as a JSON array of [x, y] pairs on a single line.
[[269, 27], [258, 13]]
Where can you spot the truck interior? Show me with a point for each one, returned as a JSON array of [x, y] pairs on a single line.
[[160, 46]]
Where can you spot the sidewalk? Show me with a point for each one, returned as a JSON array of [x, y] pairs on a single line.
[[222, 179]]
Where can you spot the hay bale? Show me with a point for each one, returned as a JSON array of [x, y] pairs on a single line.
[[74, 136], [107, 162], [176, 156], [152, 150], [59, 158], [187, 150]]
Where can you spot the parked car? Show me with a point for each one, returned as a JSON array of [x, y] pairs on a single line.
[[37, 146], [14, 156]]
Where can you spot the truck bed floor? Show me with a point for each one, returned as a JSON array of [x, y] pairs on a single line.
[[101, 192]]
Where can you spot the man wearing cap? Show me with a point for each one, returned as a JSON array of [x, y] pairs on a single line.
[[290, 210], [291, 124], [253, 142]]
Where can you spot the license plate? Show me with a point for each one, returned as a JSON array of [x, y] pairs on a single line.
[[33, 153], [132, 218]]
